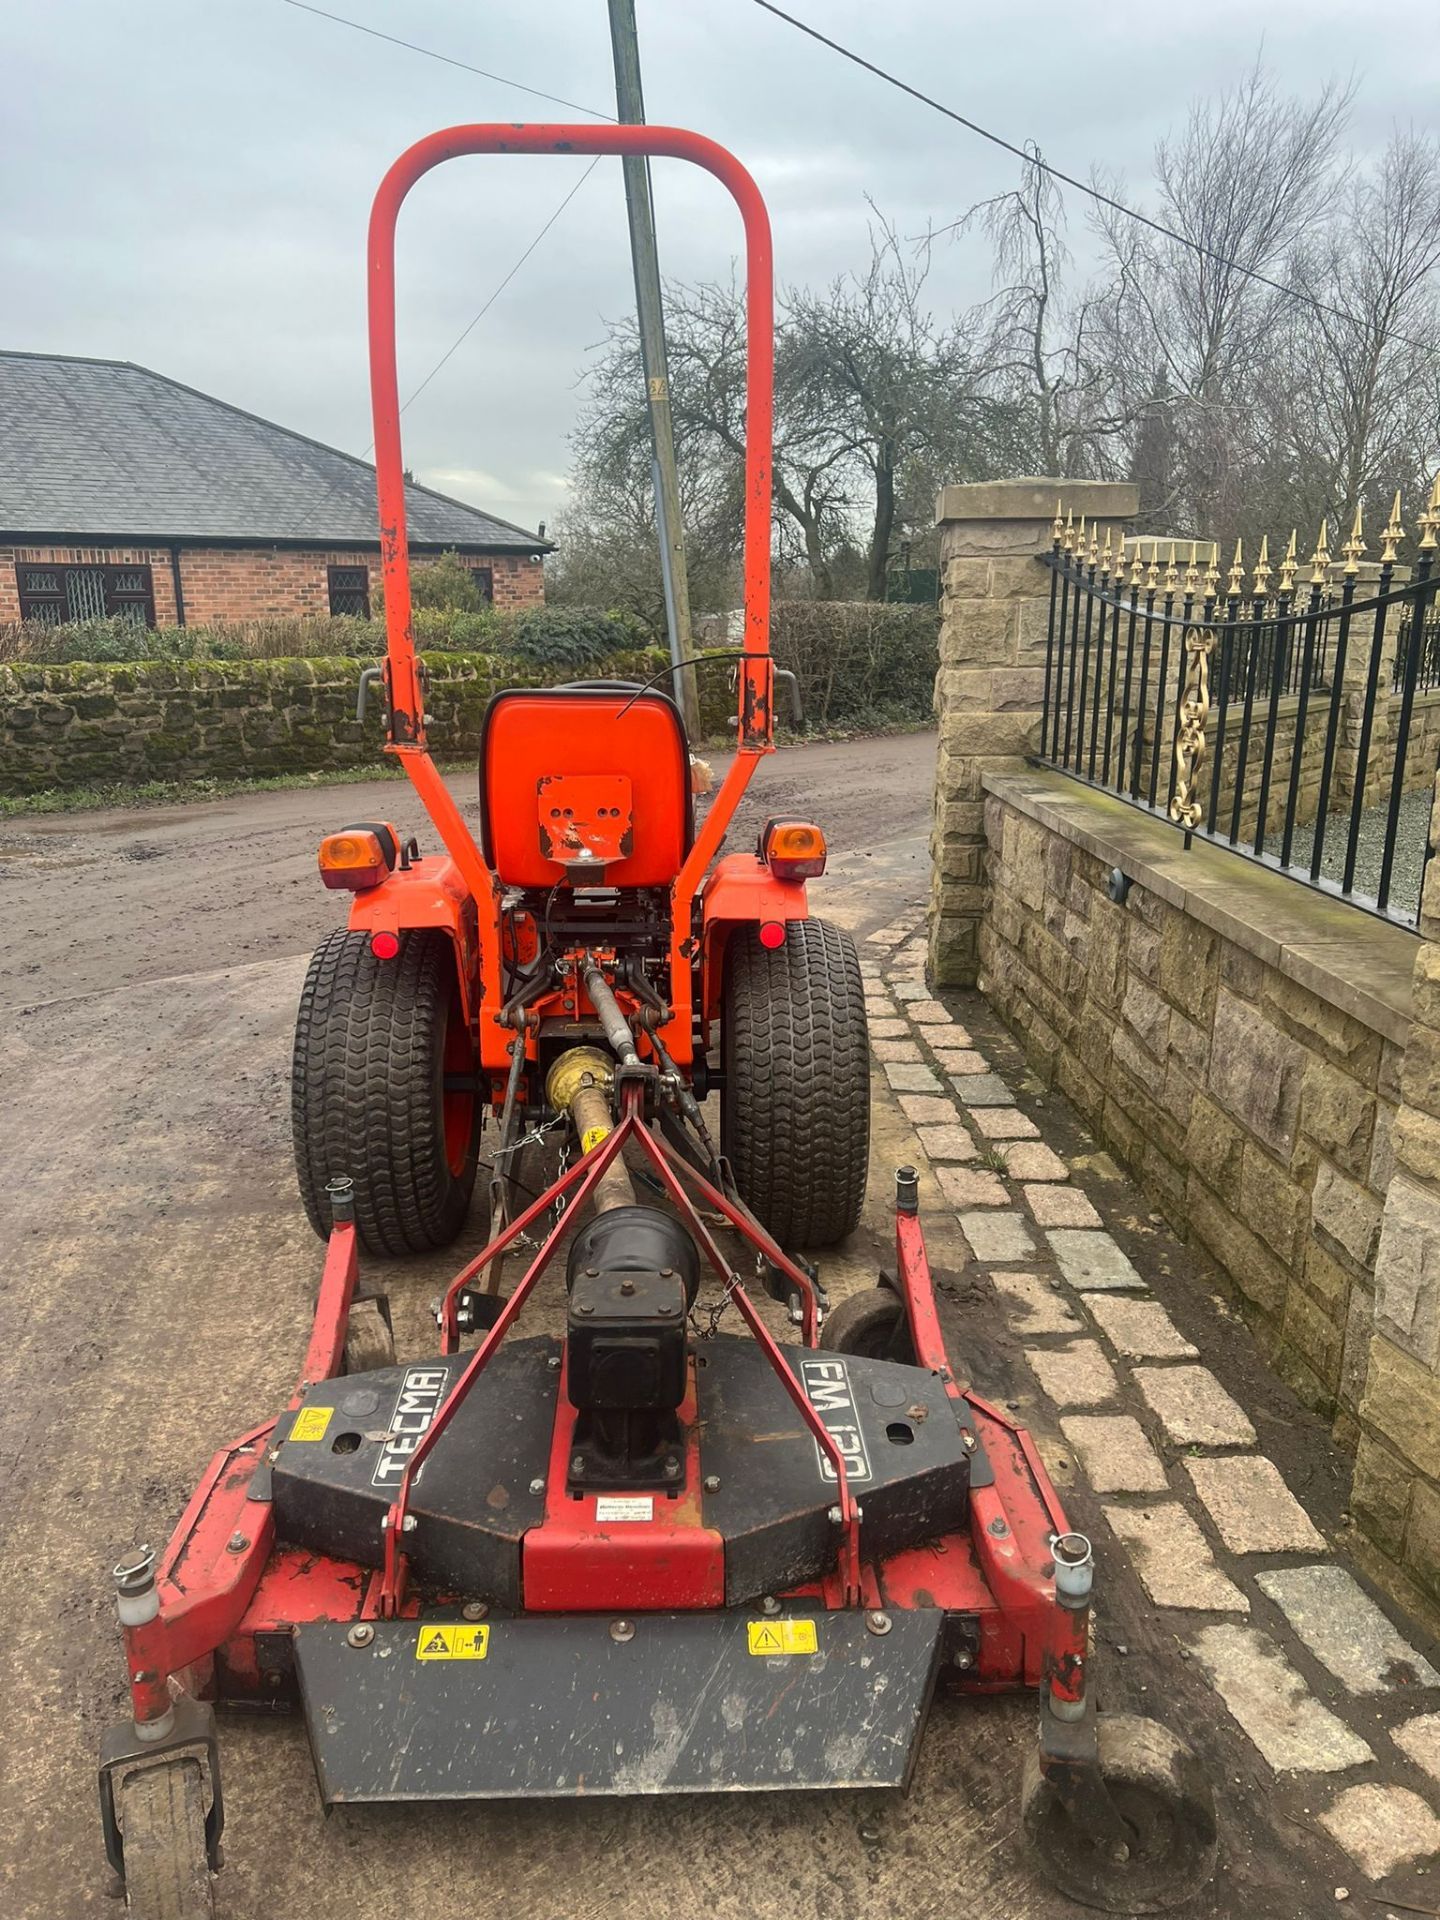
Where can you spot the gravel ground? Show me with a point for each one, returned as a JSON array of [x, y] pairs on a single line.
[[1411, 833]]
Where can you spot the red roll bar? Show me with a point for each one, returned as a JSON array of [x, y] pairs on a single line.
[[406, 707], [405, 695]]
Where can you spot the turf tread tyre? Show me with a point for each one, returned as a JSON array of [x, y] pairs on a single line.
[[795, 1112], [162, 1824], [366, 1091]]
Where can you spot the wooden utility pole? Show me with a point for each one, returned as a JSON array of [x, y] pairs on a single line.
[[630, 105]]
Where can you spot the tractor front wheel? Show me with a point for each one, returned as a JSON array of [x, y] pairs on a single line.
[[384, 1092], [795, 1110]]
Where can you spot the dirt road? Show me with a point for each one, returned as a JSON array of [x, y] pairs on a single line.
[[156, 1278], [89, 902]]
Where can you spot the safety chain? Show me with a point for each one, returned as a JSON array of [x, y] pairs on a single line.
[[562, 1201], [717, 1308], [530, 1139]]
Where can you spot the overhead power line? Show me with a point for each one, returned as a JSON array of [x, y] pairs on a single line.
[[1032, 158], [373, 33], [411, 46], [463, 337], [340, 20], [460, 339]]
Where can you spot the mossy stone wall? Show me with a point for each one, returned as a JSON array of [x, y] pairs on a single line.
[[81, 725]]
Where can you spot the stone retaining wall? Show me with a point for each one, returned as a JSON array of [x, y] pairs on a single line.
[[79, 725], [1259, 1111], [1244, 1044]]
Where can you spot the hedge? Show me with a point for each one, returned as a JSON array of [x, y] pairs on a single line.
[[97, 723]]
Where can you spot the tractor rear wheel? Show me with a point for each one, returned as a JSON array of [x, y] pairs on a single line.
[[380, 1046], [795, 1110]]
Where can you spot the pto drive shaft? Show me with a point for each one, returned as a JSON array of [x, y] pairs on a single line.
[[579, 1084]]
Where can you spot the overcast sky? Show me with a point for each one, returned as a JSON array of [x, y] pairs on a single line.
[[185, 183]]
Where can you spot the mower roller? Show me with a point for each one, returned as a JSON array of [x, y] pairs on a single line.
[[642, 1554]]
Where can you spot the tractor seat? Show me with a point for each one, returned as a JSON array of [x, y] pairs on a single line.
[[587, 784]]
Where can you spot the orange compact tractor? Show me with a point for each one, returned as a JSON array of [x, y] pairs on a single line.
[[633, 1553]]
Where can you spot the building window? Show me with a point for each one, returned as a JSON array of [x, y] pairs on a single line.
[[350, 591], [58, 595], [484, 578]]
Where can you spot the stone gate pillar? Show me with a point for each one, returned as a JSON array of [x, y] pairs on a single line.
[[995, 601]]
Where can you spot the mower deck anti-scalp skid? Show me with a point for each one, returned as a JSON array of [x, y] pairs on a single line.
[[643, 1554]]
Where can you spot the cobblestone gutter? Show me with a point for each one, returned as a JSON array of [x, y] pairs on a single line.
[[1196, 1479]]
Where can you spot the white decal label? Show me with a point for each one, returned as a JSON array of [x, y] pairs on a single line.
[[827, 1387], [415, 1407], [635, 1507]]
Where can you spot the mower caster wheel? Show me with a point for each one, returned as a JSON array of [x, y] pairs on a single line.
[[369, 1338], [1160, 1791], [870, 1324], [162, 1821]]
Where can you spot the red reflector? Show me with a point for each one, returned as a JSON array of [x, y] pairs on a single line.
[[384, 946], [772, 934]]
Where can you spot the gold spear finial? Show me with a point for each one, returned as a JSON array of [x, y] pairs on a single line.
[[1137, 565], [1172, 575], [1094, 543], [1354, 547], [1192, 572], [1430, 519], [1393, 534], [1237, 573], [1057, 525], [1262, 569], [1105, 557], [1320, 559], [1152, 574], [1070, 531], [1289, 567], [1212, 572]]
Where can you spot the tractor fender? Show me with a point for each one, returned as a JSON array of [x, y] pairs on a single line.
[[427, 893], [741, 891]]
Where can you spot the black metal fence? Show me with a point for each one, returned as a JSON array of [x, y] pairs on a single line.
[[1281, 723]]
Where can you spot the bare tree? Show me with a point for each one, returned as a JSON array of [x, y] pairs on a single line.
[[1043, 351], [1242, 187], [1273, 357], [875, 383], [1361, 410], [870, 391]]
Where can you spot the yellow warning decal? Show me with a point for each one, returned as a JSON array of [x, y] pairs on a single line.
[[452, 1643], [782, 1636], [591, 1137], [310, 1423]]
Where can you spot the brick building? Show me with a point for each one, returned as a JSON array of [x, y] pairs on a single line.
[[124, 492]]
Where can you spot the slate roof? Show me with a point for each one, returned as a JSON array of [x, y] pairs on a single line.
[[97, 448]]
